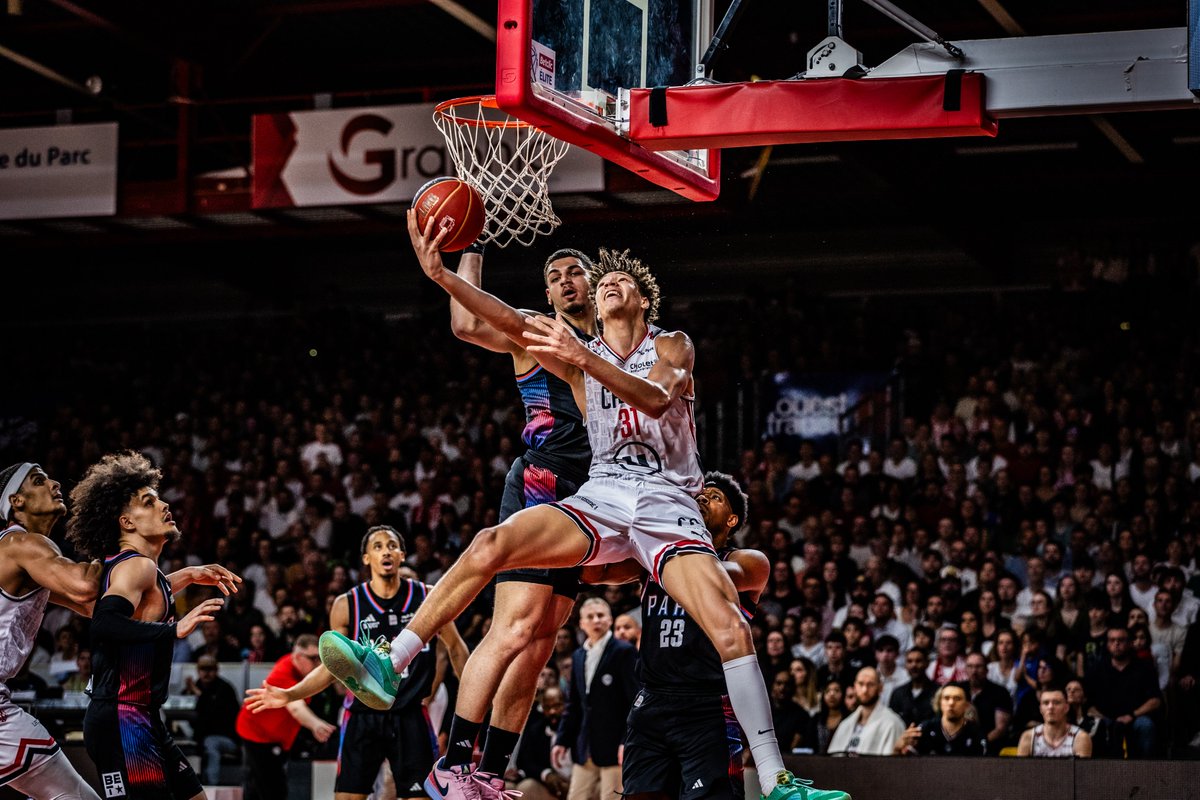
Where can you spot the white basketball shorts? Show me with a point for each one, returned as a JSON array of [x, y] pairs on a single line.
[[625, 518]]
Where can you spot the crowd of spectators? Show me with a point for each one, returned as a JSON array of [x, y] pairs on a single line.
[[1031, 521]]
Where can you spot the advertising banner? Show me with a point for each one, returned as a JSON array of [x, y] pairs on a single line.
[[59, 171], [368, 155], [810, 406]]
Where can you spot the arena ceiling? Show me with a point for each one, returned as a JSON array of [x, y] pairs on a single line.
[[176, 71]]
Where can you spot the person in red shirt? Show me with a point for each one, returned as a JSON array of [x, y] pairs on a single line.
[[268, 736]]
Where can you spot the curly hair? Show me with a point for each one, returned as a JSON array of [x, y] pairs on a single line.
[[737, 499], [101, 496], [612, 261]]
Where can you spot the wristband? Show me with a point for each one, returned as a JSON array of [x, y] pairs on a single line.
[[477, 246]]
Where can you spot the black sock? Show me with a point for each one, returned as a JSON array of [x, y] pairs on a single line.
[[463, 734], [498, 748]]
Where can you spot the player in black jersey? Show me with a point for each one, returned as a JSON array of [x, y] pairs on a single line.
[[683, 740], [531, 604], [379, 607], [118, 515]]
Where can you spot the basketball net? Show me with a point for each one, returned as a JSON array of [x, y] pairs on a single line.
[[507, 161]]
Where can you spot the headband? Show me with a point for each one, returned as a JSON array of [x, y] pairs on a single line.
[[12, 477]]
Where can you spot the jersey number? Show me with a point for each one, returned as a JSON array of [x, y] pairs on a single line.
[[670, 633], [629, 421]]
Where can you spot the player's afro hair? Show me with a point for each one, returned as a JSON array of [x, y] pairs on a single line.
[[99, 499]]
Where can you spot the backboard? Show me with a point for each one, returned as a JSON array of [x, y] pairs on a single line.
[[566, 66]]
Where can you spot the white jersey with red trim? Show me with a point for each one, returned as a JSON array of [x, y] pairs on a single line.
[[20, 618], [1064, 749], [628, 444]]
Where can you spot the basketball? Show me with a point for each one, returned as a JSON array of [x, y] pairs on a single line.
[[456, 207]]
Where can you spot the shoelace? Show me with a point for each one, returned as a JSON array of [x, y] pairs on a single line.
[[786, 778], [484, 779], [364, 638]]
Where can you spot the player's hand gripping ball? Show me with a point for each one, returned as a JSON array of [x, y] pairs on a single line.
[[455, 206]]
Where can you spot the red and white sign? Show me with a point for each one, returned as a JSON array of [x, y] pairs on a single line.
[[542, 66], [368, 155], [61, 171]]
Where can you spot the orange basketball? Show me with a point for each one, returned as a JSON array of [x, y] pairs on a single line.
[[456, 206]]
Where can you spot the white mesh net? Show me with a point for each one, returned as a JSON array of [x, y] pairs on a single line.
[[508, 162]]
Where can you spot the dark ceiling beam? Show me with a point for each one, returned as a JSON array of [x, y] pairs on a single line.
[[124, 34], [334, 7]]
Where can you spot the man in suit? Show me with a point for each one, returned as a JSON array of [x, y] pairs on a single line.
[[603, 686]]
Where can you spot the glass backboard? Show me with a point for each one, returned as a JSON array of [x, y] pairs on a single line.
[[563, 64]]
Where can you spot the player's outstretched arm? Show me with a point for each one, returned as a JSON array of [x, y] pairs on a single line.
[[456, 648], [466, 325], [71, 584], [269, 696], [483, 305], [128, 584]]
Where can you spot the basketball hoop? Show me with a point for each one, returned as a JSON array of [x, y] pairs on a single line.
[[508, 161]]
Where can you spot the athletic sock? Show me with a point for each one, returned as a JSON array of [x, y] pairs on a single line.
[[461, 748], [752, 707], [405, 647], [498, 748]]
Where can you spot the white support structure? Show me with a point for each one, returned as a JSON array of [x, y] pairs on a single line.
[[1083, 73]]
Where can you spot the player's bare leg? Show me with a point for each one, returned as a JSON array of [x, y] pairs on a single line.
[[698, 583]]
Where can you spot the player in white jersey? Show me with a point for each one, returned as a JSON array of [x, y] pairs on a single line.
[[635, 385], [1055, 737], [33, 572]]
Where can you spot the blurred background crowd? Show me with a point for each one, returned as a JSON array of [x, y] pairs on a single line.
[[1032, 492]]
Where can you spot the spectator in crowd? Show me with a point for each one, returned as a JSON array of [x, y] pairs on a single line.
[[872, 728], [794, 728], [831, 714], [774, 657], [1055, 737], [1120, 602], [887, 650], [267, 737], [1004, 667], [811, 645], [1094, 726], [949, 666], [859, 651], [1124, 692], [1189, 687], [215, 723], [950, 733], [913, 701], [603, 686], [81, 678], [1187, 605], [217, 643], [628, 628], [835, 667], [991, 701], [807, 696], [533, 774]]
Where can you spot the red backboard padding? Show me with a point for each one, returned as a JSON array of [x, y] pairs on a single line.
[[818, 110]]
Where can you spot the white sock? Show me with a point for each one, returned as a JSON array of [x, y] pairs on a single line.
[[405, 647], [752, 707]]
